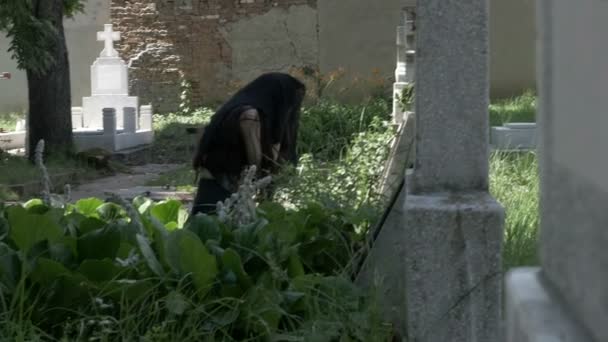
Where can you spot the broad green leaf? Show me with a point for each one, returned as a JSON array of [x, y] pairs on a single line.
[[182, 217], [295, 268], [171, 226], [33, 202], [187, 255], [124, 250], [142, 204], [176, 303], [99, 244], [99, 270], [27, 229], [47, 271], [205, 227], [149, 256], [10, 267], [4, 228], [231, 260], [110, 212], [88, 206], [272, 211], [90, 224], [167, 211], [63, 250]]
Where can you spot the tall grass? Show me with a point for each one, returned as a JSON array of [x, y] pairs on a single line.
[[8, 121], [514, 183], [517, 109]]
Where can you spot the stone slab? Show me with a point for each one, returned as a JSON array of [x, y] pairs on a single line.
[[109, 76], [513, 137], [400, 157], [452, 267], [535, 312], [574, 187], [12, 140]]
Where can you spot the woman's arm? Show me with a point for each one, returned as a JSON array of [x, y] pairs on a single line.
[[250, 130]]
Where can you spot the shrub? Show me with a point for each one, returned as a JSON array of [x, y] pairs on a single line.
[[144, 270]]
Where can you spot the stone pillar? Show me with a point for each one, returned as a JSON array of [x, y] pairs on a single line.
[[453, 228], [130, 120], [109, 122], [145, 117], [76, 117], [404, 72], [566, 298]]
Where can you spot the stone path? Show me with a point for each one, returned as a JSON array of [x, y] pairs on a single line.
[[126, 183]]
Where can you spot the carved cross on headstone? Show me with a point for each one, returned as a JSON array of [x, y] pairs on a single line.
[[108, 37]]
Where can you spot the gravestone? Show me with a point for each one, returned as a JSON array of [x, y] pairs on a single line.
[[109, 83], [566, 298], [402, 151], [514, 136], [452, 228], [110, 118], [437, 259], [385, 241]]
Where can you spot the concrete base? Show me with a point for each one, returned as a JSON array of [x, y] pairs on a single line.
[[521, 136], [452, 267], [535, 313], [12, 140], [122, 141]]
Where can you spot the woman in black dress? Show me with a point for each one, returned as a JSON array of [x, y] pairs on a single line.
[[257, 126]]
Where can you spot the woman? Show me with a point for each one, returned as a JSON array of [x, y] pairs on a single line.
[[257, 126]]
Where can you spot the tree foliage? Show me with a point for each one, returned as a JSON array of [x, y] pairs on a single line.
[[31, 37]]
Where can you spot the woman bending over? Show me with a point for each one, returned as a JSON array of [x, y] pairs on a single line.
[[257, 126]]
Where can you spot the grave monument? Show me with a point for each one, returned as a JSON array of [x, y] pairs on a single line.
[[110, 118], [437, 259]]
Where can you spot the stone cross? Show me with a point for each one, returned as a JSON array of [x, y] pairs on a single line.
[[108, 37]]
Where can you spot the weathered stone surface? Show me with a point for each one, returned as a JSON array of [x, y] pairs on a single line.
[[452, 95], [383, 270], [453, 270], [574, 186], [514, 137], [535, 312]]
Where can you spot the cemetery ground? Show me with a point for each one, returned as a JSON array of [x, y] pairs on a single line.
[[283, 272]]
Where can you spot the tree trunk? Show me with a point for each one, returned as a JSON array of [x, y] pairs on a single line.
[[50, 102]]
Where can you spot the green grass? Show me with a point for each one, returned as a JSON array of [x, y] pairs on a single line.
[[8, 121], [171, 142], [182, 179], [16, 170], [517, 109], [514, 182]]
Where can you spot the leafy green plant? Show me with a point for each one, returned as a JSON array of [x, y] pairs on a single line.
[[406, 98], [96, 270]]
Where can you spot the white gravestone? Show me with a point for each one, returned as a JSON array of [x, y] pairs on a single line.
[[109, 84], [110, 118]]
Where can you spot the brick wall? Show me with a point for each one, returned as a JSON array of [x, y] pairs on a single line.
[[167, 41]]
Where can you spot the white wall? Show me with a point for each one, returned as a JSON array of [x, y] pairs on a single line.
[[83, 48]]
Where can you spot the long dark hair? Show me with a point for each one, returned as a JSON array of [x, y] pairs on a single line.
[[277, 98]]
